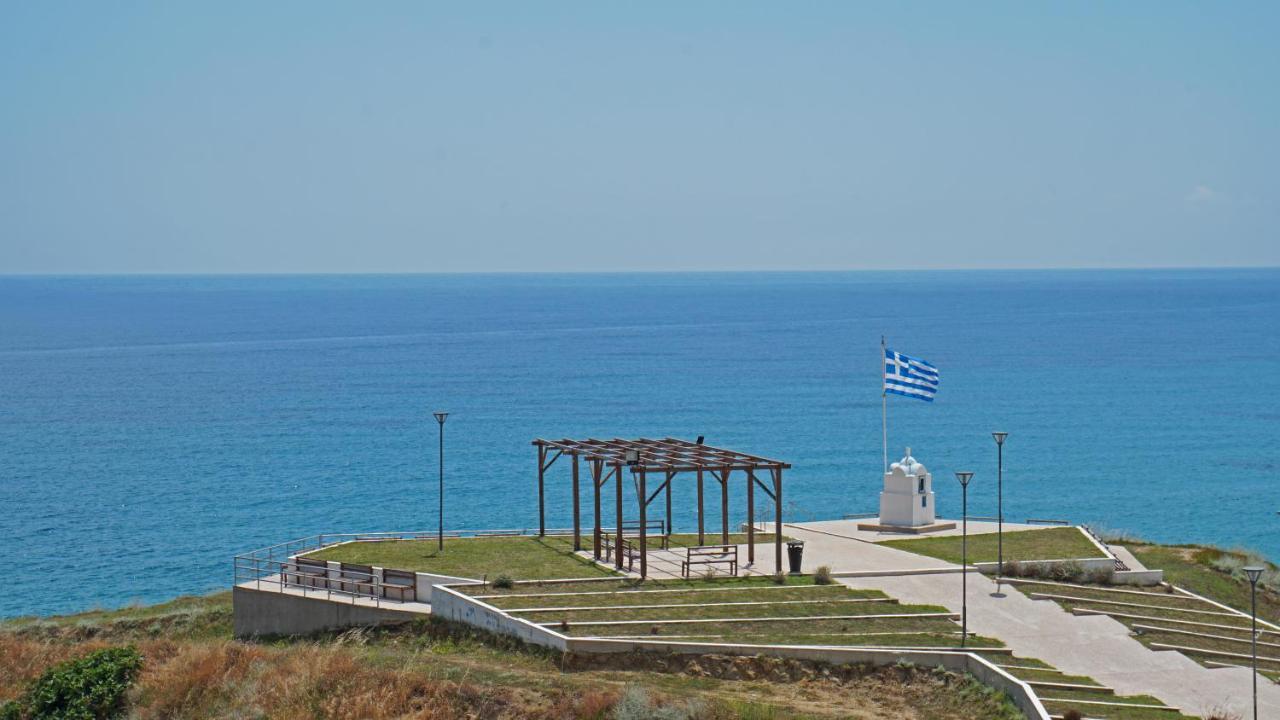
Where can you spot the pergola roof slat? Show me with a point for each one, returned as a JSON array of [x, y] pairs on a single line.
[[669, 454]]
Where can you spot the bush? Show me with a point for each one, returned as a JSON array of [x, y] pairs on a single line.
[[635, 704], [1072, 714], [1066, 571], [779, 578], [822, 576], [504, 582], [90, 688]]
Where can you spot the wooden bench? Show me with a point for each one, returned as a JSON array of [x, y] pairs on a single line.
[[402, 584], [306, 572], [655, 531], [355, 578], [630, 552], [710, 556]]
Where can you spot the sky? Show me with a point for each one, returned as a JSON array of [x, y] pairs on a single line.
[[244, 137]]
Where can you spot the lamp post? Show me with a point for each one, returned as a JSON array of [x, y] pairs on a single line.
[[999, 437], [440, 418], [964, 478], [1254, 572]]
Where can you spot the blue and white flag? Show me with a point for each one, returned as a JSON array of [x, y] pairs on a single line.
[[912, 377]]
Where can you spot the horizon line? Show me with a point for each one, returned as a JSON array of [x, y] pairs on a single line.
[[686, 271]]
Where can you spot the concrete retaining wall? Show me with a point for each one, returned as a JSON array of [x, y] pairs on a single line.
[[453, 605], [427, 581], [1137, 577], [1087, 565], [462, 608], [270, 612]]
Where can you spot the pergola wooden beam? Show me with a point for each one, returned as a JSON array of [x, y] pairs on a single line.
[[669, 456]]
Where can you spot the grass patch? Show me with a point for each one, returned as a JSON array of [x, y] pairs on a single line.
[[520, 557], [1192, 567], [606, 586], [683, 597], [186, 617], [786, 629], [709, 612], [1057, 543]]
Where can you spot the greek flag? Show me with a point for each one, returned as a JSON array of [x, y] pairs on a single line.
[[909, 376]]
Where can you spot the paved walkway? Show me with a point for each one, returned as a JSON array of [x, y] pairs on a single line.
[[1096, 646]]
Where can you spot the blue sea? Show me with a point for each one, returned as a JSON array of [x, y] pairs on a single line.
[[151, 427]]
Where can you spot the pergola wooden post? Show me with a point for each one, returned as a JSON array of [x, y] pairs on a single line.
[[701, 525], [644, 530], [617, 484], [577, 519], [542, 503], [724, 506], [776, 496], [751, 516], [670, 457], [597, 469], [667, 528]]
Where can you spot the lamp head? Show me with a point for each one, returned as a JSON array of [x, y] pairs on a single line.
[[632, 457], [440, 416], [964, 478], [1254, 572], [1000, 436], [700, 439]]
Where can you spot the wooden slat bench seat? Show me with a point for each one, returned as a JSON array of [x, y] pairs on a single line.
[[355, 578], [630, 552], [711, 556], [306, 572], [399, 584]]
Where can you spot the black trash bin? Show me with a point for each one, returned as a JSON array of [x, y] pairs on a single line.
[[795, 552]]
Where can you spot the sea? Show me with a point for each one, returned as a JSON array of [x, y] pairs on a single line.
[[151, 427]]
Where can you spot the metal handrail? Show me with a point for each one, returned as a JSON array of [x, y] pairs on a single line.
[[275, 572], [267, 564]]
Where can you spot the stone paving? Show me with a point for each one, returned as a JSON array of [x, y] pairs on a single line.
[[1096, 646]]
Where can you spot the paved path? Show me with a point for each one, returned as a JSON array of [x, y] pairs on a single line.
[[1096, 646]]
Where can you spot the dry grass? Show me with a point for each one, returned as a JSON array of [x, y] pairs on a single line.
[[438, 671]]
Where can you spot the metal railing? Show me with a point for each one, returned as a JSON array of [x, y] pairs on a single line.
[[344, 582], [1042, 521], [275, 565], [1120, 564]]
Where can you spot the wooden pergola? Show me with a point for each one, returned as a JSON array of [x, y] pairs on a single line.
[[666, 458]]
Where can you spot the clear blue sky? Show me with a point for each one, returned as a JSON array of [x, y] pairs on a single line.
[[353, 137]]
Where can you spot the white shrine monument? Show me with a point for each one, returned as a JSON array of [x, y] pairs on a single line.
[[907, 503]]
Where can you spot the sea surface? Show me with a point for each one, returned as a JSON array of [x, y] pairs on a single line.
[[152, 427]]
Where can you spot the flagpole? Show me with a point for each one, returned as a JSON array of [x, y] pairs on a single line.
[[884, 408]]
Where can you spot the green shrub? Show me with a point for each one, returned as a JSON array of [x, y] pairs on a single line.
[[504, 582], [779, 578], [635, 704], [822, 576], [90, 688]]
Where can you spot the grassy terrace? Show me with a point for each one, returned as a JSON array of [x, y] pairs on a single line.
[[730, 610], [1167, 619], [520, 557], [1192, 567], [727, 609], [1057, 700], [1048, 544]]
